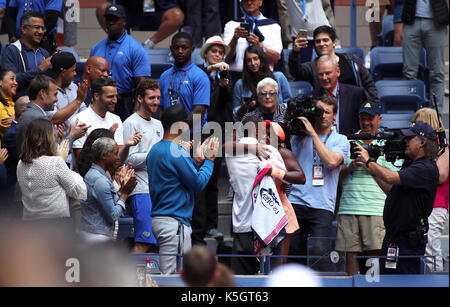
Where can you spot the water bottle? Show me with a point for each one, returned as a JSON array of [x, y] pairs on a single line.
[[148, 267]]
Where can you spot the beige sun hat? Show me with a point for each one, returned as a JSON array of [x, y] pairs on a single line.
[[215, 40]]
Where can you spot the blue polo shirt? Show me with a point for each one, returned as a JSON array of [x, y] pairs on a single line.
[[36, 6], [317, 197], [192, 85], [3, 4], [127, 59]]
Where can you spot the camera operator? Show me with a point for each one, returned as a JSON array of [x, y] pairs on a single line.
[[360, 227], [410, 196], [320, 153]]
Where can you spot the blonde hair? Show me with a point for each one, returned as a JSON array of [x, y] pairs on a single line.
[[429, 116]]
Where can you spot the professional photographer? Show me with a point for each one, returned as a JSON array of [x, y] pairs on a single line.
[[410, 196], [320, 151], [360, 227]]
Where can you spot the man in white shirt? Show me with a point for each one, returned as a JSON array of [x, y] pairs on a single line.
[[148, 97], [263, 31], [99, 115]]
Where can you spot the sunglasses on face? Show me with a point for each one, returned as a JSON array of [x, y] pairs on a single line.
[[271, 94]]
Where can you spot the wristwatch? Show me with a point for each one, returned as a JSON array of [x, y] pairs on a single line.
[[370, 160]]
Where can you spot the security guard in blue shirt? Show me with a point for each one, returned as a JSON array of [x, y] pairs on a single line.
[[129, 62]]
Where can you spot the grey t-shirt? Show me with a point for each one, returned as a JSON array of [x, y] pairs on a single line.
[[152, 132]]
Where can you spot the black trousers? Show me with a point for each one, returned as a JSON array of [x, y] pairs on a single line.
[[125, 105], [310, 239], [205, 214], [404, 265]]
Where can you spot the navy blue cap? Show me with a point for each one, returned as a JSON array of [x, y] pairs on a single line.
[[371, 108], [421, 129], [116, 10]]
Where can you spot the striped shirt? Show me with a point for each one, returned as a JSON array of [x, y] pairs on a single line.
[[361, 195]]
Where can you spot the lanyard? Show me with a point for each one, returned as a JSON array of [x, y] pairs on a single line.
[[303, 7], [181, 82], [315, 155], [253, 19], [175, 95]]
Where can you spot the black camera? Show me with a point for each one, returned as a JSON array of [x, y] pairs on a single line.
[[303, 106], [393, 148], [373, 150], [245, 25], [224, 74]]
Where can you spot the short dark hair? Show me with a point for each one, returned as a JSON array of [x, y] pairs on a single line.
[[199, 266], [98, 85], [146, 84], [24, 20], [40, 82], [172, 115], [328, 100], [182, 35], [327, 30]]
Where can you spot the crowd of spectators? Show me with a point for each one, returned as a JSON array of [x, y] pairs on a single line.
[[81, 155]]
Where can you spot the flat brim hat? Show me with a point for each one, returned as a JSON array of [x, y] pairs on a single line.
[[215, 40], [371, 108], [420, 129], [116, 10]]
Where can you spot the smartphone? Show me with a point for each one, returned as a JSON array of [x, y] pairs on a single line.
[[302, 33], [246, 26]]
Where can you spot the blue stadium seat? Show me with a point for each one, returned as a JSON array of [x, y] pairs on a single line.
[[286, 53], [196, 58], [387, 32], [401, 103], [160, 61], [395, 121], [399, 96], [387, 63], [300, 88], [126, 228], [359, 52]]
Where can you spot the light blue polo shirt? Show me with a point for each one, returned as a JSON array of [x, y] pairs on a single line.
[[191, 83], [35, 6], [317, 197], [127, 59]]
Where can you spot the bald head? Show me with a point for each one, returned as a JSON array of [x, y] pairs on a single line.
[[20, 106], [96, 67]]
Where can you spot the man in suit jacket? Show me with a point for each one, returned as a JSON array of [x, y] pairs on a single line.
[[349, 97], [351, 66], [43, 96]]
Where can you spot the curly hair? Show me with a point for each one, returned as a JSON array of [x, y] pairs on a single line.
[[85, 159]]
